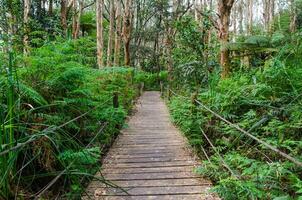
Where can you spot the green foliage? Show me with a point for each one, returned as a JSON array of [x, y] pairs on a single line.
[[192, 54], [265, 100], [57, 84], [151, 80]]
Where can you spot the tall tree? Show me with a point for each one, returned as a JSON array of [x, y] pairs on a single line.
[[78, 19], [74, 19], [234, 20], [240, 15], [250, 16], [117, 46], [272, 14], [127, 26], [268, 14], [99, 30], [50, 7], [224, 9], [26, 26], [293, 16], [64, 16], [111, 34]]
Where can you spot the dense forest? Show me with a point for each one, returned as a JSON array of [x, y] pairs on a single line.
[[229, 70]]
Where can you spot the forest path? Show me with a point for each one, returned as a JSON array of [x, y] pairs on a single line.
[[150, 160]]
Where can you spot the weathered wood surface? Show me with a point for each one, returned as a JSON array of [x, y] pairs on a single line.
[[150, 160]]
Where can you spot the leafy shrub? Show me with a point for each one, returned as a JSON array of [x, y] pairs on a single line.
[[151, 80], [57, 84], [264, 100]]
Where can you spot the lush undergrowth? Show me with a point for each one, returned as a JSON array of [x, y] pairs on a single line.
[[60, 115], [150, 80], [267, 102]]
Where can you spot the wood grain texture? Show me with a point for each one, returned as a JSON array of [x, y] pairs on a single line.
[[150, 160]]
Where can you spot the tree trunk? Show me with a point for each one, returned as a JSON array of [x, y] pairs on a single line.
[[117, 47], [234, 21], [127, 31], [293, 21], [271, 16], [74, 19], [26, 26], [224, 8], [196, 10], [266, 14], [50, 8], [240, 20], [250, 16], [111, 34], [78, 23], [64, 16], [99, 29], [39, 10]]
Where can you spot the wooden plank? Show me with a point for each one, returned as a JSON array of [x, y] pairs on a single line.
[[148, 146], [150, 142], [150, 164], [146, 160], [151, 160], [152, 197], [150, 155], [150, 176], [195, 189], [154, 183], [144, 151], [133, 151], [148, 170]]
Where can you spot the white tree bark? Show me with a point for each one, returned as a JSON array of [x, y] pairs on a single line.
[[26, 26], [99, 28], [117, 47]]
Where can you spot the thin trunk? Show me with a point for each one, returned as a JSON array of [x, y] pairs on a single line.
[[250, 18], [266, 14], [26, 26], [39, 10], [127, 31], [78, 23], [240, 20], [111, 34], [224, 8], [293, 21], [64, 16], [196, 9], [117, 47], [234, 21], [74, 19], [99, 28], [272, 15], [50, 8]]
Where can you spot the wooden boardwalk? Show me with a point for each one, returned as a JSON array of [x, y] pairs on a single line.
[[150, 160]]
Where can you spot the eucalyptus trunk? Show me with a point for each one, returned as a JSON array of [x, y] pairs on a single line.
[[99, 30], [111, 34], [117, 48], [78, 23], [127, 23], [293, 21], [224, 8], [250, 17], [26, 26], [74, 19], [64, 16]]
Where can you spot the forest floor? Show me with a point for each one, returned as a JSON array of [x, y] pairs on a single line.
[[150, 160]]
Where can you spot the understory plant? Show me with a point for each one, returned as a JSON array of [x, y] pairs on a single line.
[[266, 102], [58, 119]]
